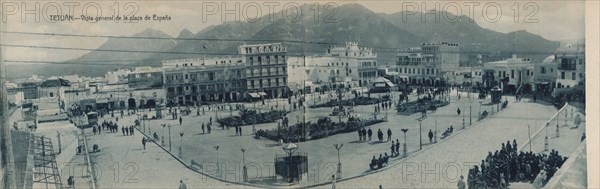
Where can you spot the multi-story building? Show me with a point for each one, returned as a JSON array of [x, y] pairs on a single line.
[[509, 74], [349, 65], [429, 64], [145, 78], [118, 76], [265, 69], [545, 75], [196, 80], [571, 68]]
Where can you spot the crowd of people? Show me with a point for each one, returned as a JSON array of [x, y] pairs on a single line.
[[508, 165]]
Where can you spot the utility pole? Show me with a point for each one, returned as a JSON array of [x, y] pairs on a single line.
[[7, 163]]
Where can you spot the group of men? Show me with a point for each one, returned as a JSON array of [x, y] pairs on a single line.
[[507, 165]]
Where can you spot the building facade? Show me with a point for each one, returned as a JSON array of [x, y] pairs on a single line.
[[265, 69], [196, 80], [428, 64], [145, 78], [350, 65], [571, 68], [510, 74]]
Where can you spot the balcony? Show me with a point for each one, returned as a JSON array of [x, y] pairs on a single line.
[[567, 66]]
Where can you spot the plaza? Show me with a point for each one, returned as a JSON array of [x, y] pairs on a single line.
[[197, 150]]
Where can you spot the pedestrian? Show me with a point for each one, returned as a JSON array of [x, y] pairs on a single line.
[[123, 130], [237, 131], [359, 135], [583, 137], [180, 120], [393, 148], [202, 128], [370, 132], [430, 136], [461, 183], [389, 134], [364, 134], [208, 127], [380, 135], [144, 143], [126, 131], [332, 181], [131, 130], [182, 185], [397, 147], [458, 111], [240, 131], [577, 121]]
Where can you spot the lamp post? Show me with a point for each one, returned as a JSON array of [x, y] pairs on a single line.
[[162, 140], [244, 169], [169, 137], [470, 108], [546, 138], [180, 144], [338, 147], [529, 133], [420, 135], [480, 102], [404, 154], [217, 149]]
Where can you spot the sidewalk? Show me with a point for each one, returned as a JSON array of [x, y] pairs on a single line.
[[123, 163]]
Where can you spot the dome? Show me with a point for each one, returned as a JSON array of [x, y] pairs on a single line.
[[549, 59]]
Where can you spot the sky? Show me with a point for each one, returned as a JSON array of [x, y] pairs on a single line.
[[553, 20]]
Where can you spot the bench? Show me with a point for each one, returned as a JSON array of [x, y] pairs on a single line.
[[379, 164]]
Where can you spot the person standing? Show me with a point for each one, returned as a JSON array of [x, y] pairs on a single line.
[[389, 134], [131, 130], [359, 135], [393, 148], [332, 181], [461, 184], [577, 121], [370, 133], [397, 147], [430, 135], [144, 143], [180, 120], [182, 185], [202, 128], [458, 111], [240, 130]]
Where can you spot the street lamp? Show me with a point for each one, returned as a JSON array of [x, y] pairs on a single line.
[[480, 102], [404, 145], [162, 140], [180, 144], [420, 135], [217, 149], [339, 170], [169, 137], [244, 169], [470, 109]]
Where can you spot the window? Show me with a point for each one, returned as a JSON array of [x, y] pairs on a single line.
[[573, 76], [512, 73], [562, 75], [186, 76], [580, 75], [543, 70]]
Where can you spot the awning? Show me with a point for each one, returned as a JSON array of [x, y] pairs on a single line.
[[262, 93], [254, 95]]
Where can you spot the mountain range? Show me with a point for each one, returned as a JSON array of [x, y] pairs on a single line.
[[352, 22]]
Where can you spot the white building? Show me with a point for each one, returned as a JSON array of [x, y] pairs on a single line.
[[429, 64], [509, 74], [349, 65], [571, 68], [117, 76]]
